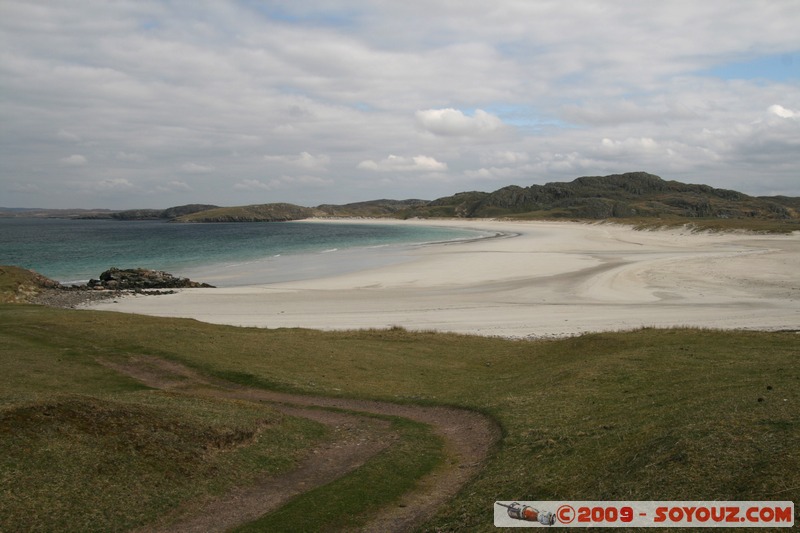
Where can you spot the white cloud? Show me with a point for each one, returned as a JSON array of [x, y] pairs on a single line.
[[66, 135], [501, 173], [305, 181], [281, 183], [174, 186], [306, 160], [131, 157], [113, 184], [506, 90], [614, 113], [194, 168], [507, 157], [394, 163], [454, 123], [302, 160], [24, 188], [75, 160], [782, 112], [630, 144], [252, 185]]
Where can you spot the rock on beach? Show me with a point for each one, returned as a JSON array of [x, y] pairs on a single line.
[[141, 278]]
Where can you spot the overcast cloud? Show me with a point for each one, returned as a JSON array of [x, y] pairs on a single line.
[[127, 104]]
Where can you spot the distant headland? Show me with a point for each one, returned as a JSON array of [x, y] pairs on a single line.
[[633, 196]]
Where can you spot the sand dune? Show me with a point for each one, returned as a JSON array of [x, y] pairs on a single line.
[[548, 279]]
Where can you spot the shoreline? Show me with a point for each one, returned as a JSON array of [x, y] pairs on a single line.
[[531, 280], [305, 265]]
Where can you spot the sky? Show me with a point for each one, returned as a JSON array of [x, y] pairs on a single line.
[[139, 103]]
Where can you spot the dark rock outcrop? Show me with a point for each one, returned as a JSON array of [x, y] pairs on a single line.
[[140, 279], [19, 285]]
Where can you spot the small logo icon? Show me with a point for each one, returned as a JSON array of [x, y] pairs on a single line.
[[565, 514], [527, 513]]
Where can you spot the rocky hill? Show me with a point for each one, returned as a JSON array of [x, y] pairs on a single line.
[[161, 214], [635, 194], [631, 195], [279, 212], [373, 208]]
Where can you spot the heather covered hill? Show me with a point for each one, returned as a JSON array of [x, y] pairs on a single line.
[[168, 214], [279, 212], [635, 194], [372, 208]]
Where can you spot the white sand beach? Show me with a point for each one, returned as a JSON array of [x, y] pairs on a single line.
[[550, 279]]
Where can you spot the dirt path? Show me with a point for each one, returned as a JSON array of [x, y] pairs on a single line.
[[468, 438]]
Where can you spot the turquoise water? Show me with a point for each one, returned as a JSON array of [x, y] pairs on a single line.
[[228, 254]]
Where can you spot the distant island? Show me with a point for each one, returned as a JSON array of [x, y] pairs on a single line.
[[633, 195]]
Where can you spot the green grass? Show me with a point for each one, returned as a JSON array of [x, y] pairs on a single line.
[[713, 224], [19, 285], [352, 501], [651, 414], [755, 225], [85, 463], [85, 449]]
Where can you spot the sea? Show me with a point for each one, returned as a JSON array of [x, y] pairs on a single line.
[[222, 254]]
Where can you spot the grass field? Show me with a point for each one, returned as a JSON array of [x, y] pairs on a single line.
[[679, 414], [84, 449], [712, 224]]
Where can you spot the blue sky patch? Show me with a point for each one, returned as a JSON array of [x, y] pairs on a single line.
[[776, 67]]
